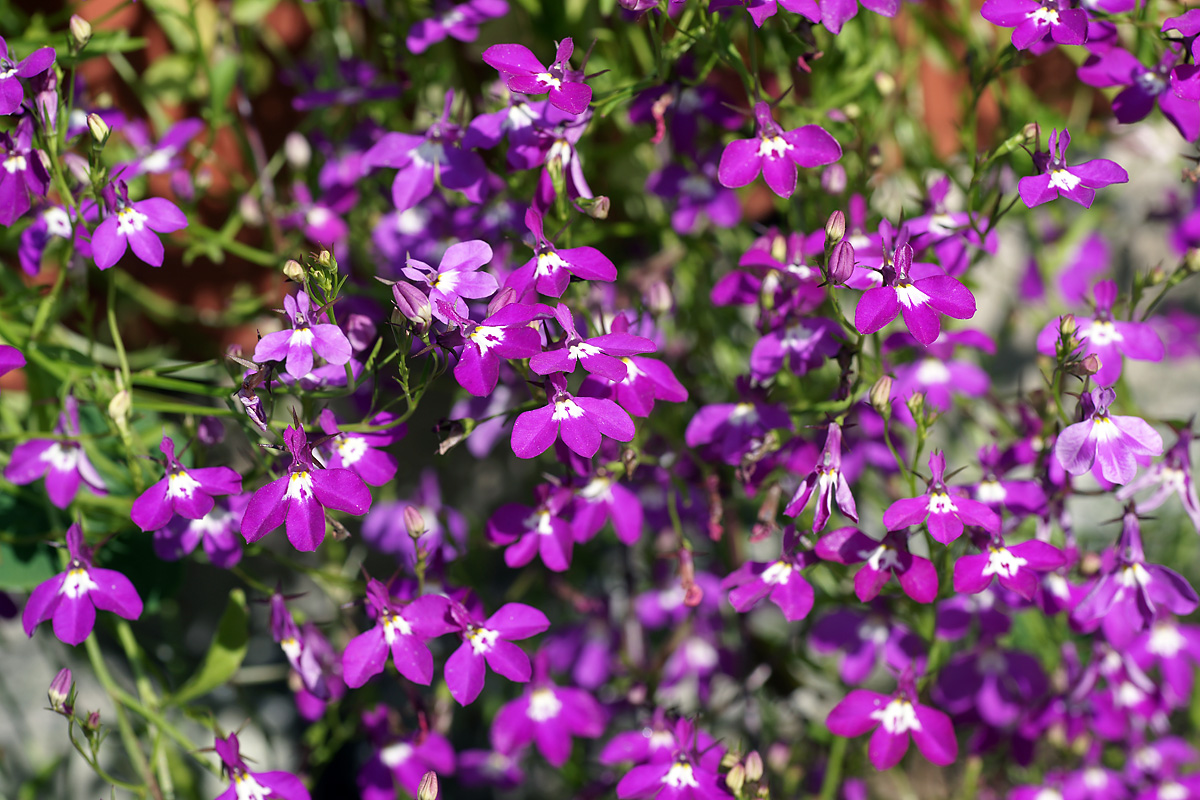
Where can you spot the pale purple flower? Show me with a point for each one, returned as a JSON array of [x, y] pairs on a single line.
[[216, 531], [62, 462], [1144, 87], [490, 642], [895, 718], [1077, 183], [548, 715], [135, 225], [944, 513], [1111, 440], [401, 761], [1017, 567], [321, 219], [247, 785], [1035, 20], [541, 530], [456, 277], [881, 559], [12, 70], [400, 629], [22, 173], [72, 597], [600, 355], [581, 422], [803, 344], [299, 498], [776, 153], [1172, 475], [603, 498], [186, 492], [828, 481], [697, 195], [154, 158], [445, 527], [936, 374], [362, 453], [780, 581], [551, 269], [864, 638], [918, 296], [522, 72], [306, 337], [459, 22]]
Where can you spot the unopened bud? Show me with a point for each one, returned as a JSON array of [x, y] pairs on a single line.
[[835, 227], [881, 395], [1032, 133], [293, 271], [414, 522], [99, 129], [1090, 365], [60, 689], [595, 207], [210, 431], [885, 83], [80, 30], [735, 779], [413, 305], [92, 723], [841, 263], [325, 258], [658, 298], [1191, 261], [1067, 325], [429, 786], [779, 248], [916, 404], [119, 407], [1156, 276], [754, 766], [833, 179], [298, 150]]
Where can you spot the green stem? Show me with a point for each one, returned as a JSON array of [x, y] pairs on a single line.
[[833, 770], [133, 747], [47, 304]]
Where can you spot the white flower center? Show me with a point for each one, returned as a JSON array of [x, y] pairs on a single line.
[[680, 775], [773, 147], [548, 80], [352, 449], [519, 116], [561, 151], [396, 754], [1134, 574], [482, 640], [1002, 562], [566, 409], [881, 558], [181, 484], [942, 225], [77, 584], [778, 573], [158, 161], [940, 503], [291, 648], [698, 187], [246, 788], [910, 296], [428, 154], [130, 220], [1128, 695], [991, 492], [597, 489], [1095, 778], [1048, 794], [316, 217], [1173, 791], [1151, 82], [744, 414], [299, 487], [873, 630], [15, 163], [58, 223], [1043, 16], [413, 221], [577, 351], [543, 705], [302, 336], [1061, 179], [700, 654], [1166, 640], [213, 523], [62, 458], [1101, 332], [1057, 585], [933, 372], [548, 263], [539, 522], [486, 337], [394, 624], [452, 17], [897, 717]]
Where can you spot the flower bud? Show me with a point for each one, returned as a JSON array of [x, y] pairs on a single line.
[[92, 723], [916, 404], [1067, 325], [658, 298], [60, 689], [735, 779], [414, 305], [595, 207], [80, 31], [885, 83], [325, 258], [841, 263], [833, 179], [881, 396], [99, 129], [429, 787], [119, 407], [293, 271], [1032, 133], [250, 210], [754, 766], [835, 227], [1191, 261], [414, 522], [298, 150], [1090, 365]]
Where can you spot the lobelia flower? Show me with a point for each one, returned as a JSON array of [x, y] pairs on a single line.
[[548, 715], [490, 642], [1107, 439], [321, 220], [507, 332], [646, 380], [894, 719], [10, 359], [864, 638], [134, 225], [522, 72], [944, 514], [833, 14], [456, 277], [829, 482], [917, 299], [460, 22], [603, 498], [1016, 567], [581, 422], [360, 452], [1175, 650], [659, 740], [286, 634], [734, 429], [542, 530], [557, 152], [776, 154], [551, 269], [186, 492], [780, 580], [217, 531], [1077, 183], [997, 683], [62, 462], [600, 355], [1126, 597], [22, 172], [1172, 475], [400, 629], [12, 94], [163, 156], [802, 344], [401, 761], [684, 776], [297, 346], [697, 195], [247, 785], [1144, 86], [936, 374], [1035, 20], [1020, 497], [299, 498], [72, 597], [881, 560]]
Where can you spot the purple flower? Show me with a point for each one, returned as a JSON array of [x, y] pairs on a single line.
[[1107, 337], [682, 777], [542, 530], [776, 154], [897, 717], [400, 629], [134, 225], [734, 429], [1015, 567], [802, 344], [833, 14], [297, 346], [581, 422], [945, 514], [401, 761], [523, 73], [1172, 475], [600, 355], [247, 785], [187, 492], [864, 638], [549, 715], [164, 156], [1144, 86], [72, 597], [780, 580], [697, 195], [997, 683], [1175, 649], [1078, 183], [456, 277], [917, 299], [11, 71], [936, 374], [504, 333], [551, 269], [300, 497], [217, 531], [1126, 597], [445, 528], [491, 642], [63, 462], [829, 482], [1109, 439], [881, 560], [603, 498], [460, 22], [659, 741], [646, 380], [10, 359], [22, 173], [286, 634], [361, 453], [1035, 20]]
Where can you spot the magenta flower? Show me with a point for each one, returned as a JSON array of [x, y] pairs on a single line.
[[216, 531], [72, 597], [600, 355], [646, 380], [134, 225], [402, 762], [460, 22], [603, 498], [23, 175], [12, 94], [490, 642], [504, 333], [780, 580], [247, 785], [1144, 88], [187, 492], [864, 638], [1172, 475], [163, 156], [828, 481], [297, 346], [523, 73], [734, 429], [362, 453], [401, 630], [456, 277], [62, 462], [300, 497], [776, 154], [1109, 338], [803, 345], [1109, 439], [550, 716], [894, 719], [944, 513], [1018, 567], [303, 661], [881, 560], [1078, 183], [581, 422], [542, 530], [551, 269], [1035, 20], [917, 299], [682, 777], [10, 359]]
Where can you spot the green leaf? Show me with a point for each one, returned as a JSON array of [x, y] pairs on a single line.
[[224, 75], [251, 12], [22, 567], [224, 655]]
